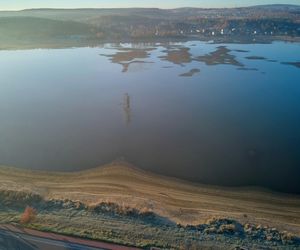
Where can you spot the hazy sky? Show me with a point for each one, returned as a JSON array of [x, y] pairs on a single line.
[[25, 4]]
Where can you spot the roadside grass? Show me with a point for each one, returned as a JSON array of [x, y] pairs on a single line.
[[124, 205], [133, 229]]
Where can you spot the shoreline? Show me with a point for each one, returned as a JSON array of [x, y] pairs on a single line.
[[122, 204], [123, 164], [181, 201], [69, 44]]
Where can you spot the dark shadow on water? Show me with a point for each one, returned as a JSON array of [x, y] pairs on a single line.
[[241, 51], [190, 73], [256, 58], [248, 69], [296, 64]]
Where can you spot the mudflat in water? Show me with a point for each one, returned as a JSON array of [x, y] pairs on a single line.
[[224, 114]]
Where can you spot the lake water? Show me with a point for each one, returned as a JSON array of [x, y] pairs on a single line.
[[225, 114]]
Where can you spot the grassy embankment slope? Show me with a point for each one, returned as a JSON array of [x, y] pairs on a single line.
[[121, 204], [179, 201]]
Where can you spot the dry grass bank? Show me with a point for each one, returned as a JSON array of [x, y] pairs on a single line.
[[180, 201]]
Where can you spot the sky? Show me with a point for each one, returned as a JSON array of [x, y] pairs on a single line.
[[26, 4]]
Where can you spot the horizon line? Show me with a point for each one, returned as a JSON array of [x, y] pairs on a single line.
[[187, 7]]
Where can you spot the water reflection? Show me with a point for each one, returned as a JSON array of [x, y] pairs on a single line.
[[134, 66], [127, 108], [190, 73]]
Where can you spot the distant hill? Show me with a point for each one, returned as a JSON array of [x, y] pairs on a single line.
[[278, 7], [42, 27]]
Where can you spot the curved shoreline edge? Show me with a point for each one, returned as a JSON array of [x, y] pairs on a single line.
[[104, 193]]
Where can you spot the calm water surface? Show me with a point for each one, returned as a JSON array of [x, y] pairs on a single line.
[[225, 114]]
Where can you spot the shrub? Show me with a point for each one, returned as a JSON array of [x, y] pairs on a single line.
[[289, 237], [228, 228], [28, 215]]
